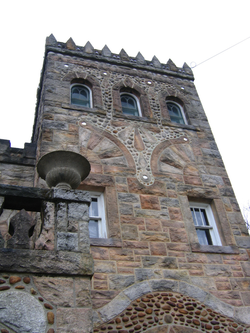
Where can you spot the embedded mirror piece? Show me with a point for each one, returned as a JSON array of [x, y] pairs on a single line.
[[63, 169]]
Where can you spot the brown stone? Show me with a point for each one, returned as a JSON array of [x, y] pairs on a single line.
[[58, 291], [2, 281], [26, 280], [48, 306], [19, 287], [32, 291], [51, 330], [3, 330], [158, 249], [4, 288], [14, 279], [50, 318], [149, 202]]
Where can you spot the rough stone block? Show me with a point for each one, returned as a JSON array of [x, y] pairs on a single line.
[[142, 274], [119, 282], [67, 241], [74, 320], [137, 290], [166, 285], [114, 307], [58, 291], [16, 309]]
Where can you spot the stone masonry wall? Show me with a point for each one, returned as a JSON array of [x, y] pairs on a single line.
[[151, 233], [17, 165]]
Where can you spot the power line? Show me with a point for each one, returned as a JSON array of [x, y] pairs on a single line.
[[195, 65]]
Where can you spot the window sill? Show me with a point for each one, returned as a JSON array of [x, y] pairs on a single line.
[[214, 249], [83, 108], [107, 242], [135, 118], [166, 122]]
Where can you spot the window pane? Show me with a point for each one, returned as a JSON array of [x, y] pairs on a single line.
[[94, 207], [129, 105], [204, 237], [93, 229], [204, 217], [198, 216], [175, 113], [80, 96]]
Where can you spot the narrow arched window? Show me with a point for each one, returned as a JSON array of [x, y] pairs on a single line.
[[81, 95], [130, 105], [176, 113]]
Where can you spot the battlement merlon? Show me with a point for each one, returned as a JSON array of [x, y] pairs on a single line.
[[122, 59]]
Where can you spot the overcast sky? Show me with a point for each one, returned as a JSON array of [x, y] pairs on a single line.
[[185, 31]]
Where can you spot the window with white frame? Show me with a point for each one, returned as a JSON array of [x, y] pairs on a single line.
[[81, 95], [176, 113], [205, 224], [97, 222], [130, 105]]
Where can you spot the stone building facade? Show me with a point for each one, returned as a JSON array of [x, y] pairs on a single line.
[[167, 251]]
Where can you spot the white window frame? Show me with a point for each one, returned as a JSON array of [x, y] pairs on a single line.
[[212, 227], [137, 102], [90, 94], [182, 112], [102, 229]]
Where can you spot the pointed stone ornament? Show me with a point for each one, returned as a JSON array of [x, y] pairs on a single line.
[[71, 44], [123, 55], [140, 59], [156, 62], [21, 223], [187, 69], [138, 142], [106, 51], [88, 48], [51, 40], [172, 65]]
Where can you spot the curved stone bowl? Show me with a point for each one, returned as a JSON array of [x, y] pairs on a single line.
[[63, 169]]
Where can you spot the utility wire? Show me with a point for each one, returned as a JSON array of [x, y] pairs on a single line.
[[195, 65]]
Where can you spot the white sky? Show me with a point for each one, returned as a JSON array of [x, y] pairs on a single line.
[[183, 30]]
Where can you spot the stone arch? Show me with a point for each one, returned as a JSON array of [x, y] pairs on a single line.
[[175, 157], [89, 81], [105, 147], [176, 96], [129, 86], [170, 306]]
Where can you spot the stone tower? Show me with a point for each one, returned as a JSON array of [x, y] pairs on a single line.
[[153, 239]]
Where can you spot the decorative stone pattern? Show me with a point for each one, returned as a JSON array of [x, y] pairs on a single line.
[[28, 306], [130, 133], [169, 309]]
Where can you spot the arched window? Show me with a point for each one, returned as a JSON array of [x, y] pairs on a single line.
[[81, 95], [176, 113], [130, 105]]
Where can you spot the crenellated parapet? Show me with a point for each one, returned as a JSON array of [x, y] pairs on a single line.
[[122, 58]]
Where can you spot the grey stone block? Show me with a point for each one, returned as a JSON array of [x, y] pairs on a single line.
[[142, 274], [22, 313], [67, 241], [46, 262], [119, 282], [116, 306], [242, 315], [243, 241], [176, 275], [137, 290], [193, 291], [164, 285], [219, 306]]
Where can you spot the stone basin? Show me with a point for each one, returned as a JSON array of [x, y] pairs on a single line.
[[63, 169]]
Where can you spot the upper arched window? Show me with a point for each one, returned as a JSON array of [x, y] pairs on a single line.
[[130, 105], [81, 95], [176, 113]]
